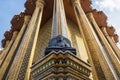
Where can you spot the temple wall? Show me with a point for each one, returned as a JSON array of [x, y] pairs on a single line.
[[77, 40], [43, 39], [73, 35]]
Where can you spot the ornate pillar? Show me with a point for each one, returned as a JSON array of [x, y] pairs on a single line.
[[24, 55], [7, 47], [84, 56], [97, 52], [7, 42], [5, 51], [59, 19], [112, 43], [12, 52], [76, 5], [5, 59], [39, 5], [113, 58]]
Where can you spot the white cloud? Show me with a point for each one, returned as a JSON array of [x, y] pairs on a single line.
[[109, 4], [1, 48], [118, 31], [112, 10]]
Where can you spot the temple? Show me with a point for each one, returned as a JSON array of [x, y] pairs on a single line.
[[60, 40]]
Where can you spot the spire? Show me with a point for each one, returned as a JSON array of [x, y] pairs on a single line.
[[59, 19], [59, 41]]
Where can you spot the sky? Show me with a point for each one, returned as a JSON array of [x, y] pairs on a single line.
[[9, 8], [112, 9]]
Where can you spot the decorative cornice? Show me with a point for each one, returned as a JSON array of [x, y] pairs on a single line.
[[86, 5], [40, 3], [3, 42], [116, 38], [17, 22], [110, 31], [30, 6], [8, 35], [100, 18]]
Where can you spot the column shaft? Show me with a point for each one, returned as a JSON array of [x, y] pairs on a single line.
[[34, 41], [85, 41], [94, 44], [59, 19], [112, 43], [8, 61], [5, 51], [23, 60], [7, 48], [5, 59], [107, 46]]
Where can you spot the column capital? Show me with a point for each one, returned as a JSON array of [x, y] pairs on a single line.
[[74, 2], [27, 19], [15, 33], [40, 3], [7, 42]]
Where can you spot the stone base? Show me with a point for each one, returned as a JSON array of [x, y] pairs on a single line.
[[60, 65]]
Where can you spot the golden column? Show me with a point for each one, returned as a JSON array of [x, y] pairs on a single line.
[[7, 63], [6, 57], [106, 44], [24, 55], [59, 26], [7, 48], [112, 43], [97, 53], [83, 56]]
